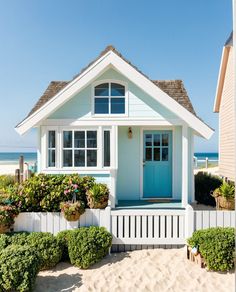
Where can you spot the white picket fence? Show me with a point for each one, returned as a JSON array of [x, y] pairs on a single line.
[[206, 219], [148, 226], [133, 226], [55, 222]]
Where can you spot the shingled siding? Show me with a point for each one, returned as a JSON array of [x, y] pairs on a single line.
[[227, 124]]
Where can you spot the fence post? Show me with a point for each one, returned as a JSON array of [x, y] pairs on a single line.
[[108, 218], [207, 161], [189, 221], [113, 175], [21, 166]]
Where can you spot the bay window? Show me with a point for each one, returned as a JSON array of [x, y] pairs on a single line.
[[78, 148]]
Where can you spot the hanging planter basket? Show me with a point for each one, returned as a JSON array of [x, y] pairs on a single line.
[[72, 210]]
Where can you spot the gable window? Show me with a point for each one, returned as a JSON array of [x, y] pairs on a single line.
[[80, 148], [109, 98]]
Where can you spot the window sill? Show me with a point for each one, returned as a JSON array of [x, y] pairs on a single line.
[[109, 115], [70, 170]]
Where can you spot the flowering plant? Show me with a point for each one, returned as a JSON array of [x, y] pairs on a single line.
[[72, 209], [7, 215]]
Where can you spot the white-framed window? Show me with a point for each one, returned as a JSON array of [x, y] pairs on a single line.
[[109, 98], [79, 148], [51, 155]]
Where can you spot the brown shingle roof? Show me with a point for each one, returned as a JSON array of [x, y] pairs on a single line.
[[53, 88], [174, 88]]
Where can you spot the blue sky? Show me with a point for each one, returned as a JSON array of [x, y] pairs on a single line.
[[52, 40]]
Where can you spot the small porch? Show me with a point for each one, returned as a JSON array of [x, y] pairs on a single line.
[[152, 168]]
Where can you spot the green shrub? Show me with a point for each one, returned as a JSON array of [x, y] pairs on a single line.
[[48, 248], [47, 245], [19, 266], [63, 238], [205, 184], [88, 245], [45, 192], [216, 245], [3, 241], [15, 238], [6, 180]]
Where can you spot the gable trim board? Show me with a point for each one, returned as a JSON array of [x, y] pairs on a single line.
[[111, 59], [221, 78]]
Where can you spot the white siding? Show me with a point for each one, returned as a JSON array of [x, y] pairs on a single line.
[[227, 123]]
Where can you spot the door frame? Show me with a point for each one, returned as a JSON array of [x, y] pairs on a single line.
[[156, 128]]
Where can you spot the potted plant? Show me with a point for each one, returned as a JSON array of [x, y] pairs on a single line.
[[97, 196], [224, 196], [7, 216]]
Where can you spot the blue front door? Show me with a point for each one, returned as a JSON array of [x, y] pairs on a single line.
[[157, 164]]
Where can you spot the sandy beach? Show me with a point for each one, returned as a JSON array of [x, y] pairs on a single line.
[[8, 168], [143, 270]]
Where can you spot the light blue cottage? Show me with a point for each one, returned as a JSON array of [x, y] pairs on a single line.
[[114, 123]]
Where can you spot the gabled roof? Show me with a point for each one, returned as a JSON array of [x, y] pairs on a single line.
[[174, 88], [170, 93], [221, 77]]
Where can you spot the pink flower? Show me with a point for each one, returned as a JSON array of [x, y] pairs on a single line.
[[76, 186]]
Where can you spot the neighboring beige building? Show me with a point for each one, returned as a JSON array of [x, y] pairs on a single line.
[[225, 106]]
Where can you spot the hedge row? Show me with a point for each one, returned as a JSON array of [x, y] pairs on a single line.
[[23, 254]]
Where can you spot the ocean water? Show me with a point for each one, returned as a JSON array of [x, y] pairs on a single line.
[[13, 157], [213, 158], [31, 157]]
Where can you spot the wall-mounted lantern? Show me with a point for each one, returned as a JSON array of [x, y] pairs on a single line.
[[130, 133]]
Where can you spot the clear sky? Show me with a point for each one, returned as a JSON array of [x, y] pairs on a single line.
[[47, 40]]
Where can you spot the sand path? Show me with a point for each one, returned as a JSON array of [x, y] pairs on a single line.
[[144, 270]]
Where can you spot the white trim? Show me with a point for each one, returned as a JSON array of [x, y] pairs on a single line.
[[160, 128], [39, 154], [133, 75], [221, 78], [112, 122], [185, 165]]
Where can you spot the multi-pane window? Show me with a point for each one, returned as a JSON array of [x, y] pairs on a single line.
[[157, 147], [106, 149], [51, 148], [109, 98], [80, 148]]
